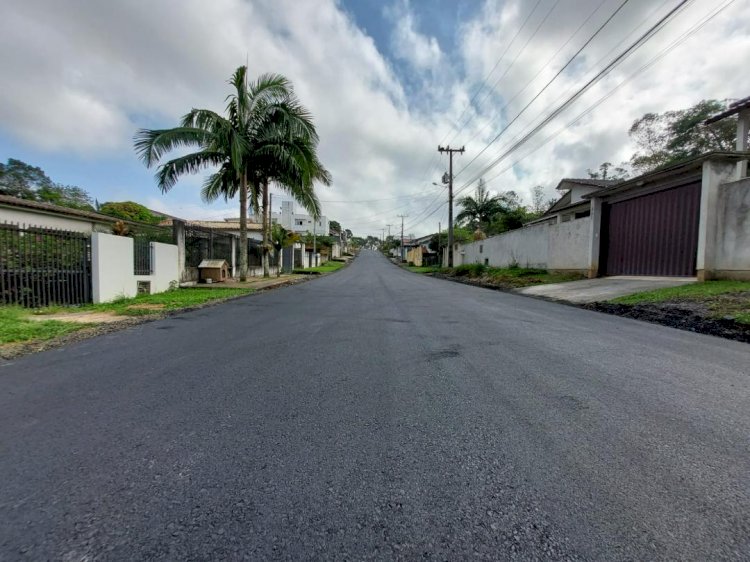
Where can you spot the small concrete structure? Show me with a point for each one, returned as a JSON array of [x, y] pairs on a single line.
[[113, 274], [213, 271]]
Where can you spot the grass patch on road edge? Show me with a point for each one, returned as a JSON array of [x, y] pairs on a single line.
[[16, 326], [328, 267], [720, 298]]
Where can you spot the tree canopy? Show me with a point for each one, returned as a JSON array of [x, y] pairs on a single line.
[[131, 211], [19, 179], [669, 137]]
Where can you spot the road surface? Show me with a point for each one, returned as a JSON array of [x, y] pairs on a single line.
[[379, 414]]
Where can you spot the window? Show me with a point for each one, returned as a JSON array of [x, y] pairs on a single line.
[[486, 261], [481, 248], [583, 214], [298, 222]]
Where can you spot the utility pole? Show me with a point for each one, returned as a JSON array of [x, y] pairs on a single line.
[[450, 152], [389, 229], [440, 232], [382, 238], [402, 217]]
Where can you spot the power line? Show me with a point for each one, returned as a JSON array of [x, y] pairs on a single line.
[[612, 64], [547, 85]]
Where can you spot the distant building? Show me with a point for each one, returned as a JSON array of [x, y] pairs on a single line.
[[300, 223]]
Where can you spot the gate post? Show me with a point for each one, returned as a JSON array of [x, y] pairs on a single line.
[[714, 174], [595, 238], [178, 235]]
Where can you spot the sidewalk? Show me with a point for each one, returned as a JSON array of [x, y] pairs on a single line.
[[602, 288]]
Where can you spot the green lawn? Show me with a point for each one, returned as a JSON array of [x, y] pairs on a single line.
[[15, 326], [721, 298], [169, 300], [327, 267]]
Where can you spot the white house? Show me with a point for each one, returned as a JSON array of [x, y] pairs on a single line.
[[300, 223]]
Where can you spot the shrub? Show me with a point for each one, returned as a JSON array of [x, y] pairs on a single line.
[[470, 270]]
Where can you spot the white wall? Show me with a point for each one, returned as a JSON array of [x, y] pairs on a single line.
[[526, 247], [564, 246], [35, 218], [569, 245], [732, 255], [112, 274], [112, 267], [165, 269]]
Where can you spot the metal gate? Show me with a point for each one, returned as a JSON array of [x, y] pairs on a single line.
[[655, 234]]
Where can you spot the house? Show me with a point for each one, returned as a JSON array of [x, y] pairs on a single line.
[[300, 223], [688, 219], [47, 215], [573, 204]]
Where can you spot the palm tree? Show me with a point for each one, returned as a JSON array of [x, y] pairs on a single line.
[[480, 209], [257, 140]]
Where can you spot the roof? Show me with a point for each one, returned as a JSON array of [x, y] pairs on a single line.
[[689, 165], [212, 264], [216, 225], [49, 208], [735, 107], [590, 182]]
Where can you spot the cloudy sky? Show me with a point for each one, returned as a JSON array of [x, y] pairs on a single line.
[[387, 81]]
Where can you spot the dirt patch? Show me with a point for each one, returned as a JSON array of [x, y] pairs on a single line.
[[687, 315], [146, 306], [79, 317]]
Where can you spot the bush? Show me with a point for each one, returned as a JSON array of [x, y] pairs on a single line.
[[470, 270]]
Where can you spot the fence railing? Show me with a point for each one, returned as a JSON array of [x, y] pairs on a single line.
[[142, 236], [42, 266], [202, 243]]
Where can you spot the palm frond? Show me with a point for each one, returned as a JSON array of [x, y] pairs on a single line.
[[151, 144], [169, 172]]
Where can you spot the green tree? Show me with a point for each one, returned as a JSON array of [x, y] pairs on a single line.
[[478, 210], [666, 138], [265, 136], [334, 227], [131, 211], [608, 171], [22, 180], [19, 179]]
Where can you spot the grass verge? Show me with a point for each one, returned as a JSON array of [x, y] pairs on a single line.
[[503, 277], [15, 326], [328, 267], [713, 299]]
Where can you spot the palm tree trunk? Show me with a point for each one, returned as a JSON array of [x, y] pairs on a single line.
[[243, 228], [266, 228]]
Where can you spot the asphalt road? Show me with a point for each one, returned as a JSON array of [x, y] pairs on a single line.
[[379, 414]]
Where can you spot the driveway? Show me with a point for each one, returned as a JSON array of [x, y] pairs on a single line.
[[602, 288], [379, 414]]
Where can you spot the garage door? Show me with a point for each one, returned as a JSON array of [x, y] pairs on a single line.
[[654, 234]]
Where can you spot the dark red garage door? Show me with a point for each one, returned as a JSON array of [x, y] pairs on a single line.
[[654, 234]]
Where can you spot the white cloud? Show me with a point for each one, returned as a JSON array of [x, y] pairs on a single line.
[[419, 50], [85, 75]]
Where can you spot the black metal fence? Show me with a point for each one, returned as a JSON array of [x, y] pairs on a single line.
[[42, 266], [143, 235], [202, 243]]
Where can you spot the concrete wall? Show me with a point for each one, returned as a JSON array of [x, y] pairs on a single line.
[[732, 253], [560, 247], [35, 218], [164, 265], [569, 245], [112, 267], [526, 247]]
